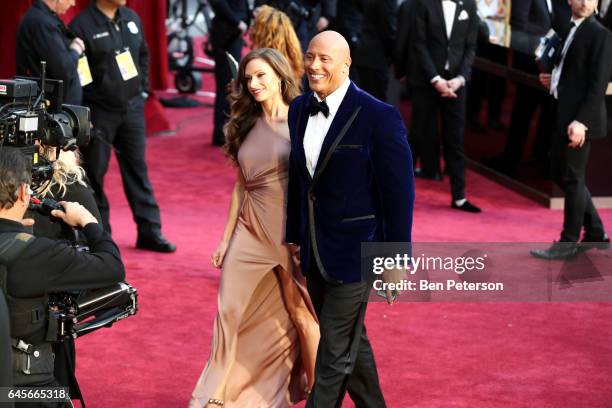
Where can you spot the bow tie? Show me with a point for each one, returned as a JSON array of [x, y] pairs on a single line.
[[316, 107]]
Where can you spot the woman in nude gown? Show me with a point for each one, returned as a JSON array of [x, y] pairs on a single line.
[[265, 335]]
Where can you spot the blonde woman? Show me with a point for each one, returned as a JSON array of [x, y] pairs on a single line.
[[273, 29]]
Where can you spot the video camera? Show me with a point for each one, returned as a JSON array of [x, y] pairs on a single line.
[[32, 114], [74, 314]]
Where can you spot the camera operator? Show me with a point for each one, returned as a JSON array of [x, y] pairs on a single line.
[[35, 267], [119, 60], [308, 16], [6, 375], [42, 36], [69, 183]]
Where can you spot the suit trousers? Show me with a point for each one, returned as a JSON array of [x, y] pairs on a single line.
[[344, 358], [223, 76], [569, 169], [426, 105], [125, 132]]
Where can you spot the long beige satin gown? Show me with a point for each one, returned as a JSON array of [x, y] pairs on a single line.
[[255, 347]]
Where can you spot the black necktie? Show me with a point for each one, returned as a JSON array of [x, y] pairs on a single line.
[[316, 107]]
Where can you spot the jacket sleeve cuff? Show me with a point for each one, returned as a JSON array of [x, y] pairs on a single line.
[[94, 232]]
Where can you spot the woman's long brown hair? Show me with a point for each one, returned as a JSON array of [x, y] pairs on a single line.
[[245, 110]]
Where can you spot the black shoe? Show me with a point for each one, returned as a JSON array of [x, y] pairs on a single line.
[[154, 241], [593, 242], [427, 176], [466, 206], [558, 250]]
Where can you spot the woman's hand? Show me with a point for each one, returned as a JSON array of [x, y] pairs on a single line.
[[219, 254]]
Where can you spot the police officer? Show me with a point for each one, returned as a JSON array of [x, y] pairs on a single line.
[[31, 268], [119, 61], [42, 36]]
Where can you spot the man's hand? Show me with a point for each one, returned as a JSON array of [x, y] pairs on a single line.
[[74, 214], [78, 45], [576, 133], [545, 80], [27, 222], [243, 27], [454, 84], [322, 24], [395, 275], [441, 86], [294, 251]]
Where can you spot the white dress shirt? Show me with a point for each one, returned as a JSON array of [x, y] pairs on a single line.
[[318, 125], [556, 74], [449, 8]]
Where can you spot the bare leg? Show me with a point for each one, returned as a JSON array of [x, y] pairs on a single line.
[[304, 322]]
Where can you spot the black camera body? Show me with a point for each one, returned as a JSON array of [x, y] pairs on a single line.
[[32, 114]]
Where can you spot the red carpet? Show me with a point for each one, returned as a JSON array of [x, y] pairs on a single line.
[[428, 355]]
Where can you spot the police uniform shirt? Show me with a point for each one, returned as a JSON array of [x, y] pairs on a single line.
[[105, 39], [43, 36]]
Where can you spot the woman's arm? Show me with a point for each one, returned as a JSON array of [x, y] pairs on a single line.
[[232, 218]]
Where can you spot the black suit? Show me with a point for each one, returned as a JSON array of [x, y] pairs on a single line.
[[531, 17], [581, 97], [403, 54], [372, 56], [225, 37], [6, 357], [433, 50]]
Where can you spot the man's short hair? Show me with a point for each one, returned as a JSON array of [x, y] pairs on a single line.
[[15, 170]]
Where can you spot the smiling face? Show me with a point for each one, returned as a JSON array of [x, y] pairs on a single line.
[[582, 8], [327, 62], [261, 80]]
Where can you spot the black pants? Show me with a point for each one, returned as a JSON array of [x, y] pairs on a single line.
[[526, 103], [125, 132], [223, 76], [569, 169], [373, 81], [344, 358], [484, 85], [426, 104]]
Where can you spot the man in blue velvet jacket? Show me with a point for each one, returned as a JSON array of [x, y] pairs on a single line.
[[350, 181]]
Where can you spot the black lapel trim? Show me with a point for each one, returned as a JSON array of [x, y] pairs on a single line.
[[437, 4], [301, 134], [334, 145], [458, 9]]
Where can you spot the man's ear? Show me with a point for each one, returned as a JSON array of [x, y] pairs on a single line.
[[24, 193]]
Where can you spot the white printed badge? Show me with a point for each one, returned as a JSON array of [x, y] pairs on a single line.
[[84, 72], [126, 65], [132, 27]]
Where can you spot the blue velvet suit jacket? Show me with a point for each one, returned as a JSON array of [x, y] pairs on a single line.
[[362, 189]]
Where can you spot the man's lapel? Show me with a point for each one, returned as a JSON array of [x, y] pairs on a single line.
[[342, 121], [437, 5], [458, 9], [576, 41], [302, 121]]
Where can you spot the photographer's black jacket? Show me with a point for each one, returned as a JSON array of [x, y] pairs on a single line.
[[104, 39], [328, 7], [43, 36], [6, 374], [48, 266]]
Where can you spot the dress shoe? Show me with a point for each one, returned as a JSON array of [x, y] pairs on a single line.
[[466, 206], [154, 241], [427, 176], [558, 250], [595, 242]]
